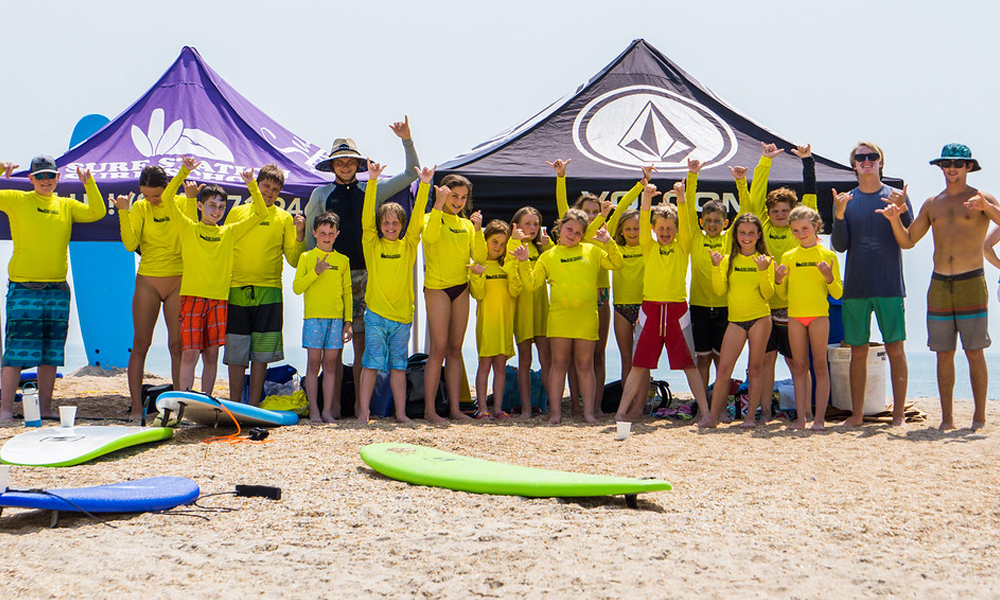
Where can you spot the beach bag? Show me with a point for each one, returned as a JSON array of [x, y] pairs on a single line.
[[278, 381], [296, 403], [659, 396], [415, 389], [512, 393], [381, 402]]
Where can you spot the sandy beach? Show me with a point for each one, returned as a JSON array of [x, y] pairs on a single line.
[[904, 512]]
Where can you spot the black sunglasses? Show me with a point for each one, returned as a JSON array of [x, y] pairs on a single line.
[[869, 157], [947, 164], [44, 175]]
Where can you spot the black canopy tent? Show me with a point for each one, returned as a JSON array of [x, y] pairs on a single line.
[[641, 109]]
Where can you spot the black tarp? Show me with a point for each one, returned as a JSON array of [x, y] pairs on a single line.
[[641, 109]]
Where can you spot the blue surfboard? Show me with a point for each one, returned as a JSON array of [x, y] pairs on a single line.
[[141, 495], [206, 410], [103, 281]]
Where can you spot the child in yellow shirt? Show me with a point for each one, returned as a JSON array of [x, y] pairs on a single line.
[[808, 274], [207, 253], [665, 321], [38, 297], [747, 274], [390, 255], [323, 275], [495, 285], [531, 308], [572, 269]]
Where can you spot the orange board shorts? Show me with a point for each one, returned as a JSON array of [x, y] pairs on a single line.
[[203, 322]]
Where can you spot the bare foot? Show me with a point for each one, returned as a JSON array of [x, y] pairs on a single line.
[[403, 419], [460, 416], [590, 419], [707, 423], [800, 424], [555, 418], [136, 418], [525, 416], [435, 418], [315, 419], [329, 418], [748, 424], [976, 425], [854, 421], [620, 417], [6, 416], [897, 421], [363, 418], [816, 426], [946, 425]]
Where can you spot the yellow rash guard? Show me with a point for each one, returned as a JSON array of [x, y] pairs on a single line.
[[749, 288], [804, 286], [257, 259], [495, 291], [40, 227], [390, 263], [327, 295]]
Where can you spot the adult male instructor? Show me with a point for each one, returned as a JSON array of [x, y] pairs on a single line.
[[873, 279], [345, 197], [957, 300]]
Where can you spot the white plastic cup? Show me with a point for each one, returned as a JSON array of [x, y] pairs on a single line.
[[67, 416], [29, 403], [624, 429], [4, 477]]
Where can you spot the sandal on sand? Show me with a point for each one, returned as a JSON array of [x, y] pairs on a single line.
[[481, 414], [501, 415]]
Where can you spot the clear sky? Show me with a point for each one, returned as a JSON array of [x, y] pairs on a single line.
[[911, 76]]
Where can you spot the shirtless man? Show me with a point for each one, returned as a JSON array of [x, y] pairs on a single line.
[[958, 218]]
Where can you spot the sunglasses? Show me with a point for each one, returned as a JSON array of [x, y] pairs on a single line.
[[869, 157], [948, 164], [44, 175]]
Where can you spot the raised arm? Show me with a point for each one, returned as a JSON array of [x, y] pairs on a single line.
[[416, 225], [562, 203], [804, 152], [628, 199], [95, 208], [129, 225], [169, 196], [245, 226], [398, 183]]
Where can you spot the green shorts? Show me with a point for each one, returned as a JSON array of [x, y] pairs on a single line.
[[857, 315]]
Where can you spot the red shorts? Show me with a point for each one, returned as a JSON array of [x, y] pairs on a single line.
[[203, 322], [664, 324]]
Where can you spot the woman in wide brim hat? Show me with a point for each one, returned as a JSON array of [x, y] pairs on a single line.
[[343, 148]]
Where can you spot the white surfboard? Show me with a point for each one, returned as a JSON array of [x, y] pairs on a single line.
[[67, 446], [214, 412]]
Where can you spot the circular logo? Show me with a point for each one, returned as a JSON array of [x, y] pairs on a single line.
[[642, 125]]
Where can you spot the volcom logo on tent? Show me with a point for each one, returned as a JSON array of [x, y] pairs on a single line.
[[177, 139], [641, 125]]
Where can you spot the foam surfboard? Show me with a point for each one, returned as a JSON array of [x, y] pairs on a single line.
[[428, 466], [141, 495], [209, 411], [101, 272], [68, 446]]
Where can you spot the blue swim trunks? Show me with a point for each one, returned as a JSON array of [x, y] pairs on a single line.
[[385, 343], [37, 324], [324, 334]]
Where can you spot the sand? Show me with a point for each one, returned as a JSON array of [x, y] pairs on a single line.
[[863, 513]]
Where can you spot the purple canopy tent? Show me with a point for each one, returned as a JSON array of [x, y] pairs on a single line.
[[640, 109], [189, 110]]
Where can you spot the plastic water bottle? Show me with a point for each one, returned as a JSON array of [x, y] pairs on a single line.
[[29, 402]]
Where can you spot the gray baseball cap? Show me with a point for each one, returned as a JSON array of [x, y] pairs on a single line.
[[43, 164]]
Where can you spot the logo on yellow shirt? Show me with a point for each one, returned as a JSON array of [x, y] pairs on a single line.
[[569, 260], [391, 255], [47, 211]]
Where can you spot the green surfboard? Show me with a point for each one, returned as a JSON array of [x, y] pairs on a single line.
[[426, 466]]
